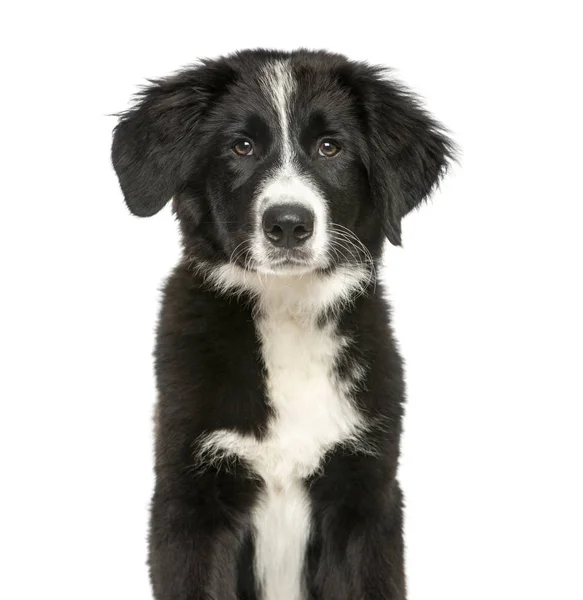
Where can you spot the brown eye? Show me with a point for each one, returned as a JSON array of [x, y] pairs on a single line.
[[328, 148], [243, 148]]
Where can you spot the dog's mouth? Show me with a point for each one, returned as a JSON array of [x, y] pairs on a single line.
[[287, 267], [287, 262], [296, 256], [280, 262]]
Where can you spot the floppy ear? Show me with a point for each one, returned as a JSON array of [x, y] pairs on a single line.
[[408, 151], [153, 142]]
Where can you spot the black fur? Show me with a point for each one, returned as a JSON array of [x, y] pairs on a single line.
[[176, 143]]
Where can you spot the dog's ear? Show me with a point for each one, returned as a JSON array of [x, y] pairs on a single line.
[[408, 152], [153, 142]]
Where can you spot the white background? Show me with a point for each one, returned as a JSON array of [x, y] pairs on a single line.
[[486, 290]]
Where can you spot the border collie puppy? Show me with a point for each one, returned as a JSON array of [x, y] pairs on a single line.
[[280, 387]]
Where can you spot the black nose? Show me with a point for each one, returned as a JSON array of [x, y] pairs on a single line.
[[288, 225]]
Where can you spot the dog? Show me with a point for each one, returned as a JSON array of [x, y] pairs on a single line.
[[280, 386]]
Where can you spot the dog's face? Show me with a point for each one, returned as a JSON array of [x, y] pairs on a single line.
[[280, 163], [284, 174]]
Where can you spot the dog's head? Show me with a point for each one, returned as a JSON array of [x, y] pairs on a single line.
[[280, 162]]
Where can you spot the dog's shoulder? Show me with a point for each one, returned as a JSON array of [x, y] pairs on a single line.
[[190, 306]]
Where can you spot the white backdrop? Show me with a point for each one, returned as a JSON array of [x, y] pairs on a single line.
[[487, 289]]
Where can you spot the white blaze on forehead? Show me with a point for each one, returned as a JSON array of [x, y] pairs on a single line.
[[280, 86]]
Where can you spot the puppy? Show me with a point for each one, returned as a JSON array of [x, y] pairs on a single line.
[[280, 387]]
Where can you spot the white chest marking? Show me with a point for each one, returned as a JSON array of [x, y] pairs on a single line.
[[313, 412]]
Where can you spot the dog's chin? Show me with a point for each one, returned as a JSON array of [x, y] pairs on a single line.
[[287, 268], [287, 263]]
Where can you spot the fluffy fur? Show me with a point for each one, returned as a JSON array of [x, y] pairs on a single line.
[[280, 387]]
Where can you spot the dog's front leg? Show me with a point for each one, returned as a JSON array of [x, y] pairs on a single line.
[[358, 526], [197, 529]]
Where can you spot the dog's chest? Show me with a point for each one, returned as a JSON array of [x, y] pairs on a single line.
[[312, 411], [312, 408]]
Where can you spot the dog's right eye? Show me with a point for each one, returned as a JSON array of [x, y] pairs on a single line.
[[243, 148]]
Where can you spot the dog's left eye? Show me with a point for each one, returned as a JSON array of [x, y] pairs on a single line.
[[243, 148], [328, 148]]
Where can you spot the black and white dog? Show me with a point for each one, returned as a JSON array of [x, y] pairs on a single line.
[[280, 387]]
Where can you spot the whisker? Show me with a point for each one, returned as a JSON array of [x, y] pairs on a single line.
[[348, 241]]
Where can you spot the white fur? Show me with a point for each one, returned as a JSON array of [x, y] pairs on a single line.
[[279, 84], [285, 185], [282, 529], [313, 412], [306, 292]]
